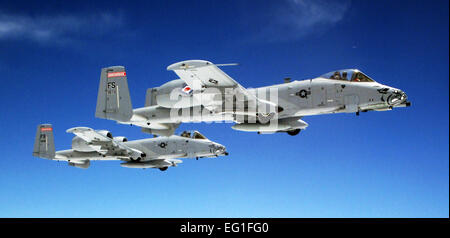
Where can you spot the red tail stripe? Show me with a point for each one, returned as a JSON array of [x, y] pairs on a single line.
[[117, 74]]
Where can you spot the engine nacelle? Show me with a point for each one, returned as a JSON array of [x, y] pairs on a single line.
[[175, 94], [81, 145], [120, 139], [105, 133]]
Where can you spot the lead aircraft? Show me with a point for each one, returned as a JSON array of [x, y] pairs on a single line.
[[159, 152], [205, 93]]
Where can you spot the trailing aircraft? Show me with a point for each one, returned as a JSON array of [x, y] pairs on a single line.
[[159, 152]]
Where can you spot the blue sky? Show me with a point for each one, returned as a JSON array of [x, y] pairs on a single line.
[[380, 164]]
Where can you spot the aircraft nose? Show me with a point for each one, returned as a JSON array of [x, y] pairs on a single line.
[[219, 149], [396, 97]]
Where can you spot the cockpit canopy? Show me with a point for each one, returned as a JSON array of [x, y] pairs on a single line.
[[193, 135], [352, 75]]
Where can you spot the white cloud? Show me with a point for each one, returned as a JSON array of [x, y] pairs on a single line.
[[56, 29], [293, 19], [305, 14]]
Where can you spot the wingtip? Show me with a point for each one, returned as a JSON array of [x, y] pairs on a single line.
[[80, 128], [188, 64]]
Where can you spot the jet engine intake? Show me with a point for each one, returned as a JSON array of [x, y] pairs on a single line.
[[105, 133], [120, 139]]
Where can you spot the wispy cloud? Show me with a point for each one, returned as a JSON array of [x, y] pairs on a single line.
[[293, 19], [56, 29]]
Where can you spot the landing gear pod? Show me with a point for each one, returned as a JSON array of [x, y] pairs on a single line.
[[293, 132], [84, 164]]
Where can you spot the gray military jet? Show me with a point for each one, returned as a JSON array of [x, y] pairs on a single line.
[[159, 152], [208, 94]]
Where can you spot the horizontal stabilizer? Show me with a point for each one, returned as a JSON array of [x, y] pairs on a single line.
[[150, 97]]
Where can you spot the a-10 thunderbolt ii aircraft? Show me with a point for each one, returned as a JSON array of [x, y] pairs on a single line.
[[215, 96], [159, 152]]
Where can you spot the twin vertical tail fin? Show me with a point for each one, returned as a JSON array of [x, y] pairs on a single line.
[[113, 100], [44, 144], [150, 97]]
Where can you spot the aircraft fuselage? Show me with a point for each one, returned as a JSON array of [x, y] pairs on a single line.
[[297, 99]]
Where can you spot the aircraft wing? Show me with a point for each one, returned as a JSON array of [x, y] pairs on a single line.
[[89, 135], [199, 74], [104, 144], [206, 72]]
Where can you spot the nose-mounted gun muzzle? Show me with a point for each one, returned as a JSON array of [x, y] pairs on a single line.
[[218, 149], [397, 97]]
